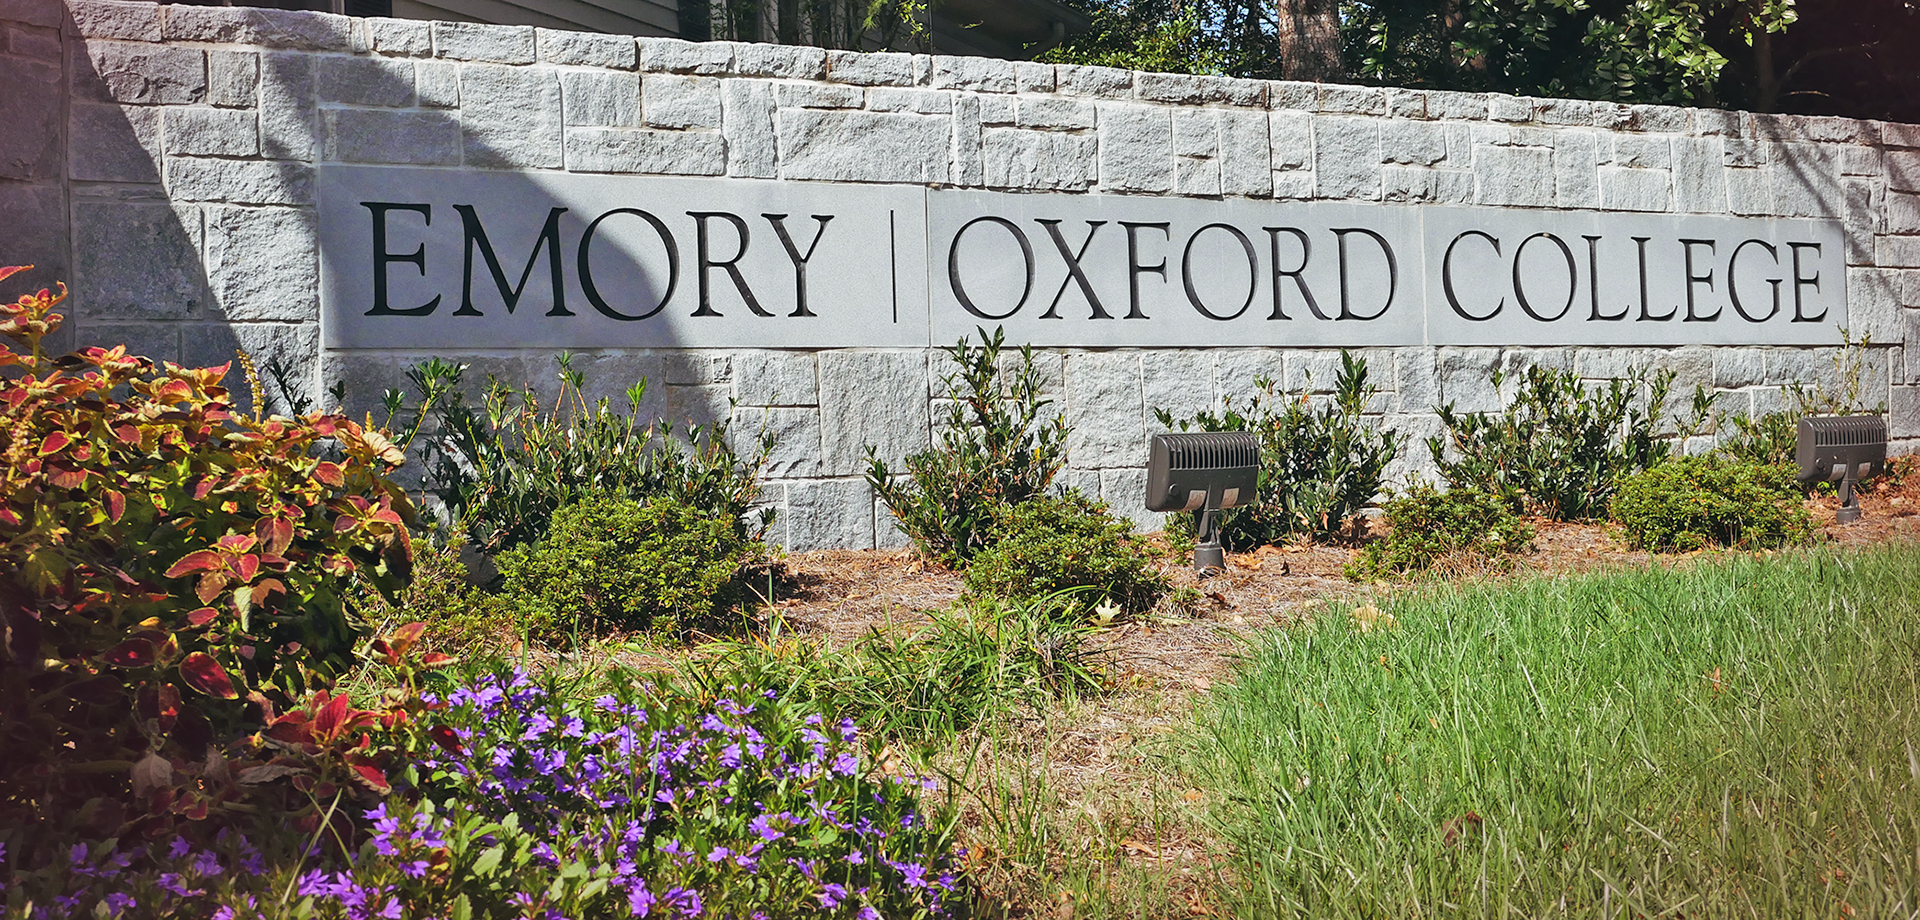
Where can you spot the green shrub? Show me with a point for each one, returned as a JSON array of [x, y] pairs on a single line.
[[1427, 527], [1045, 546], [172, 573], [618, 564], [1318, 466], [995, 450], [1561, 446], [1694, 502], [503, 470], [460, 617]]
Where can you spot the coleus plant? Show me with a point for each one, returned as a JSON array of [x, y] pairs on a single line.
[[173, 574]]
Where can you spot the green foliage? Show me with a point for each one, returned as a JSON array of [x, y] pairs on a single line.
[[925, 686], [1695, 502], [175, 571], [1561, 445], [1426, 527], [1150, 35], [460, 617], [616, 564], [1053, 544], [1732, 738], [503, 470], [1319, 465], [995, 450]]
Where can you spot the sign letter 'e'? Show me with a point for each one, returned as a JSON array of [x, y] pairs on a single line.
[[381, 257], [1801, 282]]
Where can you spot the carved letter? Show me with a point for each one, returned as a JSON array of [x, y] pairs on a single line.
[[799, 261], [1686, 246], [549, 238], [1393, 272], [1074, 271], [1446, 276], [1593, 282], [1520, 290], [1641, 242], [1306, 252], [586, 267], [731, 266], [1135, 269], [381, 257], [953, 267], [1733, 289], [1186, 271], [1801, 282]]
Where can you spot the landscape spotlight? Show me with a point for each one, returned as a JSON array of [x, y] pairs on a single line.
[[1843, 448], [1204, 472]]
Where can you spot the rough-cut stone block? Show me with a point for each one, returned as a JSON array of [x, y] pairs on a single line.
[[1412, 142], [34, 42], [882, 69], [1806, 183], [979, 74], [1346, 158], [1181, 382], [1053, 112], [861, 404], [437, 84], [968, 167], [1104, 410], [796, 439], [817, 96], [792, 62], [233, 78], [211, 132], [1501, 107], [1196, 133], [296, 30], [110, 19], [138, 261], [1576, 169], [1642, 152], [366, 81], [1292, 139], [511, 115], [401, 37], [1246, 159], [1456, 106], [849, 146], [1894, 134], [30, 109], [1419, 184], [379, 136], [1136, 148], [1292, 96], [996, 110], [748, 106], [1903, 412], [1748, 193], [110, 144], [1573, 112], [35, 232], [1521, 177], [916, 101], [1124, 489], [671, 55], [1351, 100], [1699, 181], [1466, 378], [1037, 160], [1034, 77], [586, 49], [1902, 212], [1866, 206], [240, 181], [776, 378], [1196, 176], [1734, 368], [1623, 189], [287, 117], [1903, 170], [261, 263], [670, 101], [1098, 82], [601, 100], [1407, 103], [1897, 251], [488, 44], [1873, 304], [1860, 161], [1662, 119], [625, 150], [295, 345], [827, 514], [130, 73]]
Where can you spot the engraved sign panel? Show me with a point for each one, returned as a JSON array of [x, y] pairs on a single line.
[[434, 258], [1512, 277], [1113, 270]]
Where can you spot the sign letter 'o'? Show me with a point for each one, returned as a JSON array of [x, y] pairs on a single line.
[[1520, 289], [1186, 271], [953, 267], [586, 269]]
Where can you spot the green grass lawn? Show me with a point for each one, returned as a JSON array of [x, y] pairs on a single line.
[[1733, 738]]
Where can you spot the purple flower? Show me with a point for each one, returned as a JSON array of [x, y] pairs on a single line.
[[832, 894], [639, 899], [718, 854], [207, 864]]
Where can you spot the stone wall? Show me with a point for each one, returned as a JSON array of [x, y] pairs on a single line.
[[163, 159]]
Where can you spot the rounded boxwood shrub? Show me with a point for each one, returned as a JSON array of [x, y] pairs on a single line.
[[607, 563], [1046, 545], [1427, 526], [1695, 502]]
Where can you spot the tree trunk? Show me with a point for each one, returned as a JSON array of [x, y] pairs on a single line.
[[1309, 39]]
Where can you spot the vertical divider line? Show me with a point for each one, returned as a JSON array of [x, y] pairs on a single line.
[[893, 266]]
